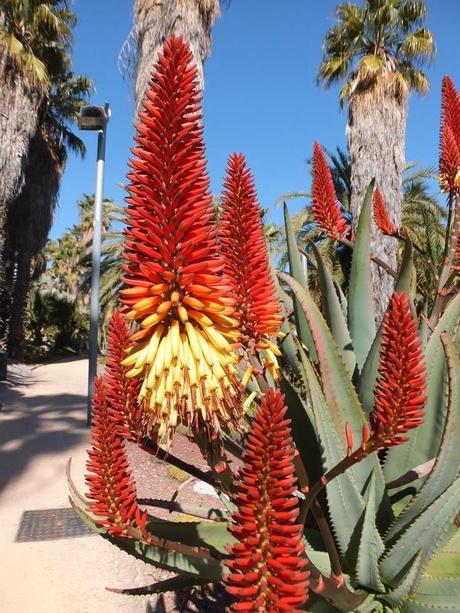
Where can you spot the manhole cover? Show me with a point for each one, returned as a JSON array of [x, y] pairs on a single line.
[[50, 524]]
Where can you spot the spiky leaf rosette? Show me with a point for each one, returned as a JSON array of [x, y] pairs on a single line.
[[382, 219], [267, 567], [325, 207], [112, 492], [183, 351], [400, 392], [122, 392], [246, 262], [449, 158]]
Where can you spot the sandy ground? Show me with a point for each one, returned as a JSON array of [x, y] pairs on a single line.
[[42, 424]]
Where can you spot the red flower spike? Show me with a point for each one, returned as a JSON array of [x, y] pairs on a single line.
[[121, 392], [449, 158], [382, 219], [326, 210], [246, 260], [267, 569], [183, 354], [112, 492], [400, 391]]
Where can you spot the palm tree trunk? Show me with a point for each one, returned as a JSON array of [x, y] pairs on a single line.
[[376, 140], [19, 308], [155, 20], [6, 289]]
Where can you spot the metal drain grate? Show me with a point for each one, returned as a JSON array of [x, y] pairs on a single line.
[[49, 525]]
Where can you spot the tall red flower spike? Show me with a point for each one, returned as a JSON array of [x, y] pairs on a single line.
[[400, 392], [382, 219], [267, 568], [246, 261], [183, 352], [326, 210], [112, 492], [449, 158], [122, 392]]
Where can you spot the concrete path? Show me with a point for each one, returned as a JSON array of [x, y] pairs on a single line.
[[42, 424]]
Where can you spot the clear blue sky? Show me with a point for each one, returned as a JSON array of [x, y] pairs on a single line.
[[260, 94]]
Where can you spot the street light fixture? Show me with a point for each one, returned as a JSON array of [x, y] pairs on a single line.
[[95, 118]]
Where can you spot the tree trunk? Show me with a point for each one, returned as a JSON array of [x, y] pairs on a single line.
[[19, 308], [376, 140], [155, 20], [19, 104]]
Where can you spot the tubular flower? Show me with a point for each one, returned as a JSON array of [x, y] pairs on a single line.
[[112, 492], [400, 391], [122, 392], [183, 351], [246, 262], [382, 219], [267, 567], [449, 158], [325, 207]]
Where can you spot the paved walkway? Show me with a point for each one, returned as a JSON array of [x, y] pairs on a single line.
[[42, 424]]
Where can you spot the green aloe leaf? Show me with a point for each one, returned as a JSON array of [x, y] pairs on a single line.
[[371, 546], [434, 594], [361, 317], [334, 313], [212, 535], [424, 441], [368, 378], [405, 585], [346, 505], [427, 534], [446, 563], [340, 395], [295, 268], [190, 563], [447, 464]]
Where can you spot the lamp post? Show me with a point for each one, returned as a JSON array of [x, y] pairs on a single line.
[[95, 118]]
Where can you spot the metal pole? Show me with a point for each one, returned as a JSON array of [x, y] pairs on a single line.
[[96, 265]]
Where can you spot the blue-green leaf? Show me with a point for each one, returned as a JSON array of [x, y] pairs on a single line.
[[427, 534], [295, 268], [447, 464], [424, 441], [334, 313], [371, 545], [361, 317]]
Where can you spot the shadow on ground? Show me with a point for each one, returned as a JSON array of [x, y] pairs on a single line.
[[35, 425], [211, 600]]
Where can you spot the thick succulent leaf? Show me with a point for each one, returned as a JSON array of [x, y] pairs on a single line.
[[361, 318], [427, 534], [435, 594], [406, 583], [446, 563], [341, 398], [371, 546], [334, 313], [346, 505], [192, 564], [304, 430], [447, 464], [424, 441], [368, 378], [212, 535], [174, 583], [295, 268]]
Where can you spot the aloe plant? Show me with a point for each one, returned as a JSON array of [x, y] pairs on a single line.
[[348, 494]]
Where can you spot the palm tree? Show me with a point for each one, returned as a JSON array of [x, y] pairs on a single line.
[[30, 216], [35, 38], [423, 218], [376, 50], [155, 20]]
